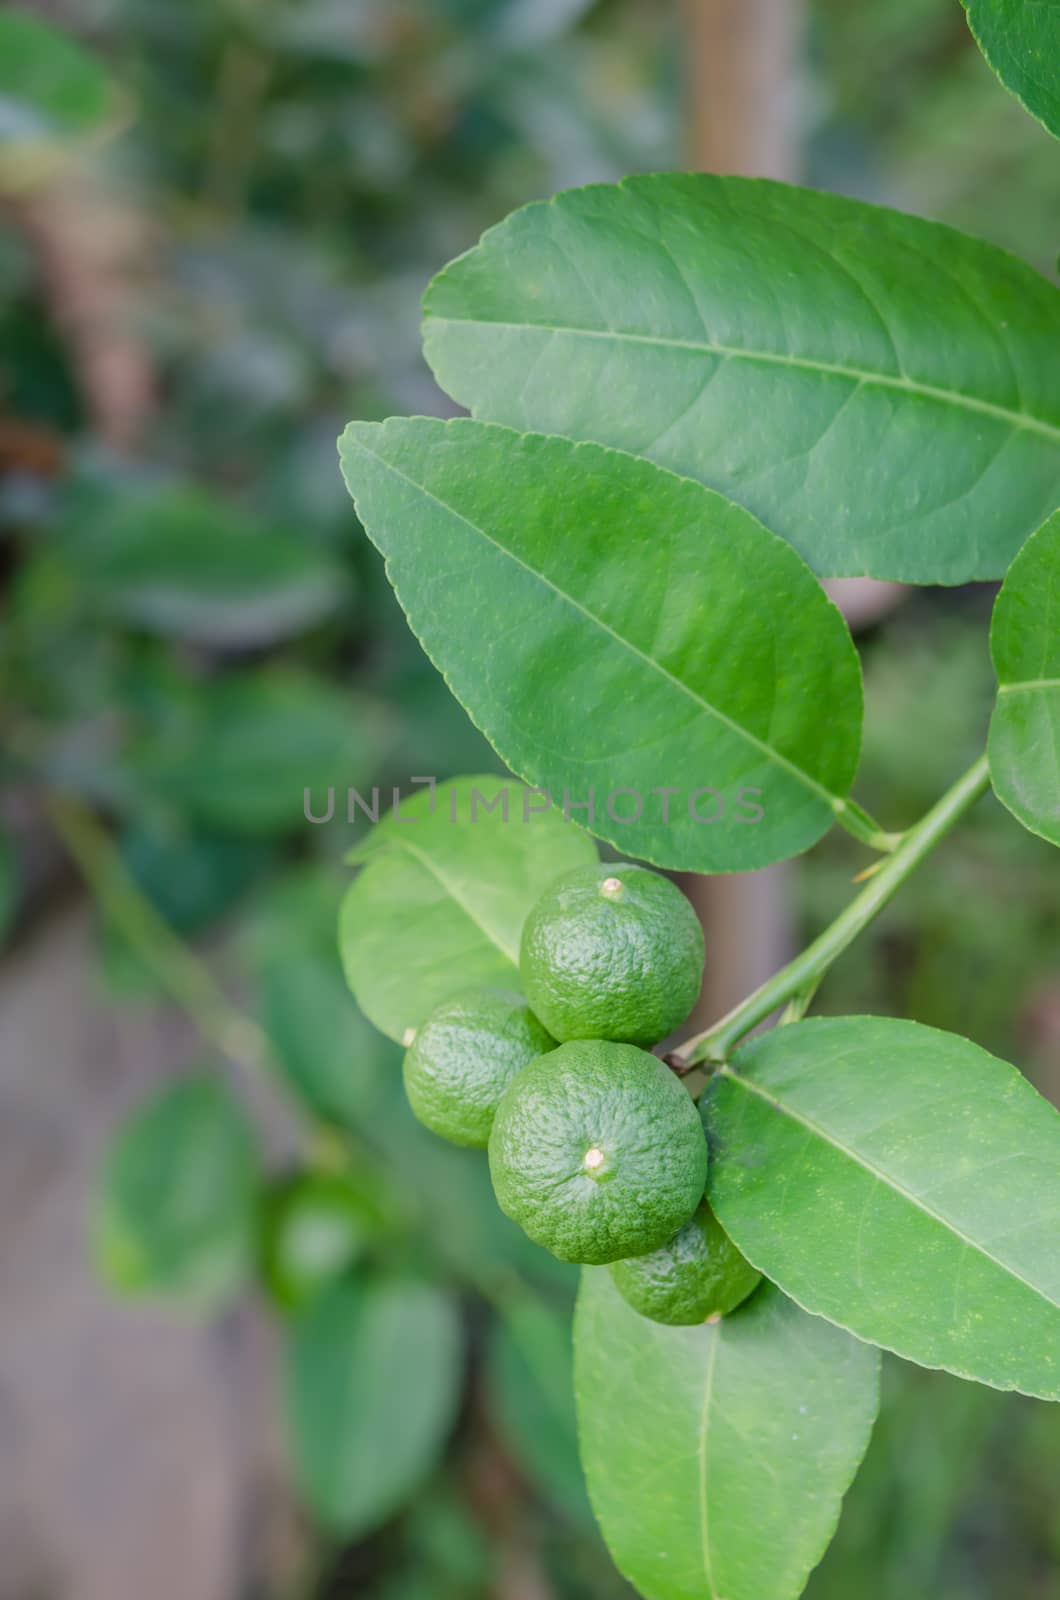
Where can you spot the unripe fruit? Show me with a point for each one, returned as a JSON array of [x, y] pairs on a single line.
[[612, 952], [696, 1275], [315, 1227], [462, 1059], [597, 1152]]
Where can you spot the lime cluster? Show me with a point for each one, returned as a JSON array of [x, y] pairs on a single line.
[[595, 1148]]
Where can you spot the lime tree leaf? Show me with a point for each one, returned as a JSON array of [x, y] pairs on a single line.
[[253, 743], [880, 390], [1021, 41], [330, 1057], [717, 1456], [622, 636], [531, 1376], [175, 1203], [901, 1182], [373, 1383], [182, 563], [441, 904], [52, 92], [1024, 745]]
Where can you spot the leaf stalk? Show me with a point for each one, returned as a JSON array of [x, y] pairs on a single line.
[[802, 975]]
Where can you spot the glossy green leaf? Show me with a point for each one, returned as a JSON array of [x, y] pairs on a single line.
[[623, 636], [51, 90], [182, 563], [373, 1383], [717, 1456], [441, 903], [901, 1182], [878, 389], [1021, 41], [531, 1370], [1024, 745], [175, 1205], [253, 743]]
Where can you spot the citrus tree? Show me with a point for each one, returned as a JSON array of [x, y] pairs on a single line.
[[879, 397], [692, 398]]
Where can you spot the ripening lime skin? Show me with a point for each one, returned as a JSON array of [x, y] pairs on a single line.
[[315, 1226], [464, 1057], [612, 952], [597, 1152], [697, 1274]]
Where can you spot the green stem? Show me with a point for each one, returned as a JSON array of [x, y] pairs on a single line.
[[857, 821], [801, 976], [188, 980]]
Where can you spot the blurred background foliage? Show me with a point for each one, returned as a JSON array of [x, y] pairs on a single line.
[[217, 219]]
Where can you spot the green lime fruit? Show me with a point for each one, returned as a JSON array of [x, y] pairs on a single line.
[[697, 1274], [597, 1152], [315, 1227], [612, 952], [463, 1058]]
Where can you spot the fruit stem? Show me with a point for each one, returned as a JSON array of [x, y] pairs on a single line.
[[801, 976]]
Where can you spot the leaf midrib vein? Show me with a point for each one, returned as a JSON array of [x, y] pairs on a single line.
[[890, 1182], [836, 803], [468, 910], [701, 1454], [1029, 683], [861, 375]]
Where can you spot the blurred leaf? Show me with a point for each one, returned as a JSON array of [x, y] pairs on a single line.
[[255, 742], [522, 24], [448, 885], [373, 1383], [9, 883], [1021, 41], [174, 1211], [333, 29], [331, 1058], [329, 1054], [315, 1225], [52, 92], [1025, 643], [531, 1369], [450, 1545], [191, 878], [917, 1492], [183, 563]]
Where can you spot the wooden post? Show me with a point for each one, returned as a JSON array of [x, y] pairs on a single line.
[[742, 86], [741, 97], [742, 92]]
